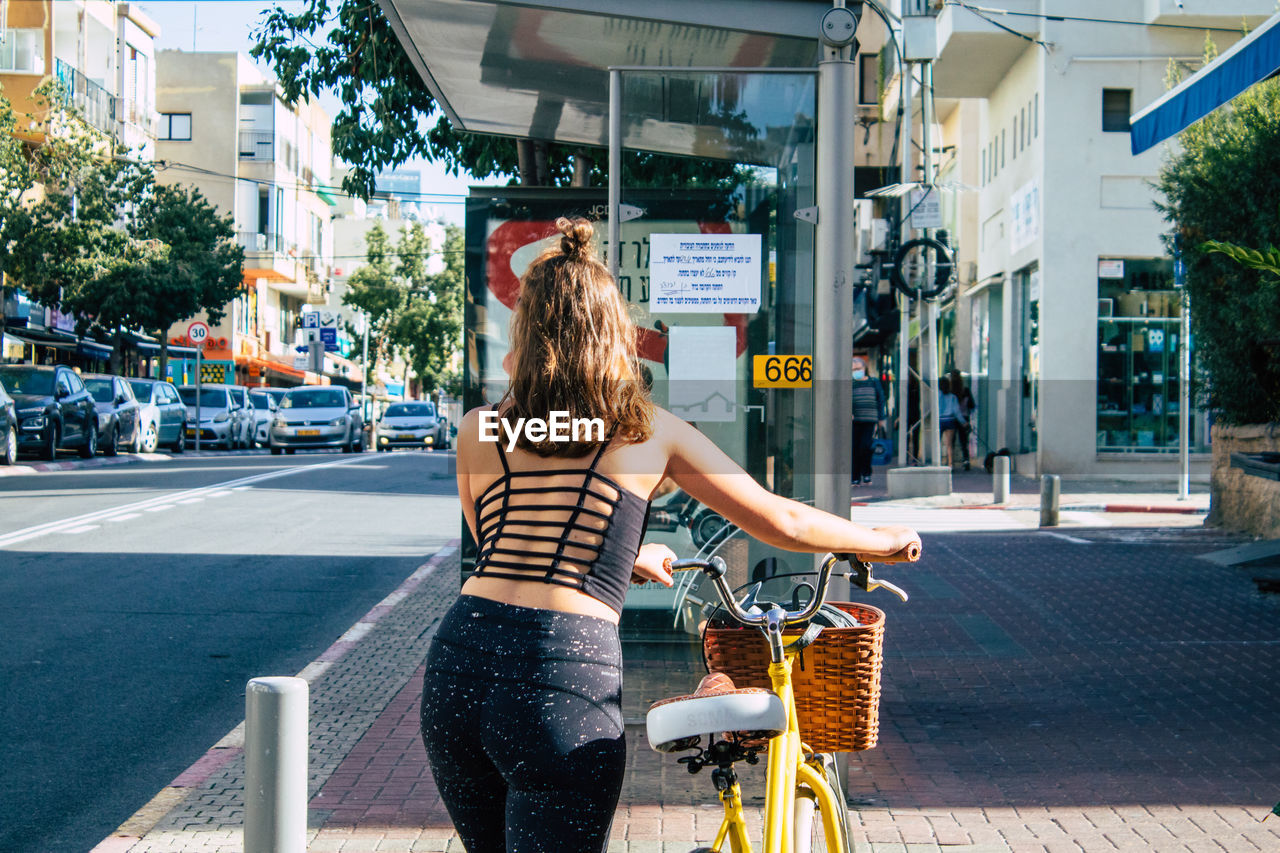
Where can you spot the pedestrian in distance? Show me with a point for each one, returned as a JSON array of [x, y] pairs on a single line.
[[521, 703], [967, 406], [949, 418], [868, 414]]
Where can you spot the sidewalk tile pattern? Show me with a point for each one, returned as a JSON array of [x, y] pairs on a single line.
[[1039, 695]]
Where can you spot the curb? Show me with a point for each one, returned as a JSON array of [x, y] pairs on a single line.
[[231, 746], [1128, 508], [122, 459]]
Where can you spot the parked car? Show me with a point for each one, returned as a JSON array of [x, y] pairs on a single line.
[[412, 424], [8, 428], [54, 409], [162, 417], [119, 413], [264, 411], [317, 416], [246, 420], [219, 414]]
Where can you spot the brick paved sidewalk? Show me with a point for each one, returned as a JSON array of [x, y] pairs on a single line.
[[1039, 695]]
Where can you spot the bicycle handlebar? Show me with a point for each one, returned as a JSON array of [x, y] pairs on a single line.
[[777, 618]]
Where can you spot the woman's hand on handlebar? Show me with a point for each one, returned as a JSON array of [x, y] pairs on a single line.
[[905, 542], [651, 564]]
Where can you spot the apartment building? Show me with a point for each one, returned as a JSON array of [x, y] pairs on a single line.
[[225, 129], [1067, 317], [103, 53]]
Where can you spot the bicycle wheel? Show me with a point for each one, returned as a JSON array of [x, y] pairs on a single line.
[[810, 834]]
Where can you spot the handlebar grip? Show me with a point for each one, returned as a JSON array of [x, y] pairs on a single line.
[[909, 554]]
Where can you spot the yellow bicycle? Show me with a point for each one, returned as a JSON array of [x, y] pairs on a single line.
[[739, 723]]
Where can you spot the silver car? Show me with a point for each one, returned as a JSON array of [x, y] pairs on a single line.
[[412, 424], [264, 411], [317, 416], [219, 415]]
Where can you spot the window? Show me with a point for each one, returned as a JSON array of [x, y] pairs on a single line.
[[1035, 116], [1026, 133], [1015, 137], [1003, 148], [984, 167], [22, 50], [1116, 109], [175, 127], [869, 78]]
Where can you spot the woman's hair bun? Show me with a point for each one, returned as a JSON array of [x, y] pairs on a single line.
[[578, 234]]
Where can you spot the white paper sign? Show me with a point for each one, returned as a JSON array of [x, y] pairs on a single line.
[[704, 273], [703, 372], [926, 208], [1025, 215], [1109, 268]]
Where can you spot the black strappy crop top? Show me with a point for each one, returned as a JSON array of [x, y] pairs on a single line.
[[596, 537]]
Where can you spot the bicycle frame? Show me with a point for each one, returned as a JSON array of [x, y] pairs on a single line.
[[785, 770]]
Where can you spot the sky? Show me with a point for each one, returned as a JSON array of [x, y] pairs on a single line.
[[225, 25]]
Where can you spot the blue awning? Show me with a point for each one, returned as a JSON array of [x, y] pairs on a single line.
[[1250, 60]]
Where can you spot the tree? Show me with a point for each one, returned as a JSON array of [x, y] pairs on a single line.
[[348, 47], [429, 330], [99, 239], [376, 290], [1220, 192]]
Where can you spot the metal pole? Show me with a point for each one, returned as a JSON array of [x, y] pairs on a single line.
[[1000, 480], [1184, 399], [366, 409], [904, 304], [1050, 492], [275, 766], [926, 142], [615, 170], [199, 349], [833, 283]]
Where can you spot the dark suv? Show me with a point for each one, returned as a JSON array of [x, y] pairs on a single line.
[[55, 410]]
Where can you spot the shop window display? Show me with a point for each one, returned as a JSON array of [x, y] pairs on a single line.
[[1139, 330]]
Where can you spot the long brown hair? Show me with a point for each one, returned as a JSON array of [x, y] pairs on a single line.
[[574, 347]]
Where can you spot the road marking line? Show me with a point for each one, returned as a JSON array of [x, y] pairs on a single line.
[[160, 508], [1075, 539], [125, 517], [85, 528], [221, 494], [68, 523], [191, 501]]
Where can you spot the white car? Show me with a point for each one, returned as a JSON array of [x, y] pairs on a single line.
[[317, 416], [412, 424], [264, 411]]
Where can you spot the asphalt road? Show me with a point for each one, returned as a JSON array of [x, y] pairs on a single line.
[[136, 601]]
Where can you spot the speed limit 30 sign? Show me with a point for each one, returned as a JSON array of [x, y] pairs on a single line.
[[197, 332], [782, 371]]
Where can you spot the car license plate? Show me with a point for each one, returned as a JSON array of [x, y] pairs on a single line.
[[405, 436], [308, 432]]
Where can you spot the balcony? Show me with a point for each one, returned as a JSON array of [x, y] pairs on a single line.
[[91, 100], [257, 145], [1207, 13], [267, 256]]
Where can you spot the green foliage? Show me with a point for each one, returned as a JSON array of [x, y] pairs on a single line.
[[96, 237], [389, 117], [412, 312], [1220, 190]]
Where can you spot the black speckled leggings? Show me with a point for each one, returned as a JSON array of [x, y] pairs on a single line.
[[522, 720]]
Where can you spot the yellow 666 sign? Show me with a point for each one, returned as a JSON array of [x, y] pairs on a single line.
[[782, 371]]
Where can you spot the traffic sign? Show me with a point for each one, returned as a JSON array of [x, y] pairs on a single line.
[[197, 332], [330, 339]]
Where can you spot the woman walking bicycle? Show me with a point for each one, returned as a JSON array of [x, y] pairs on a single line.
[[521, 706]]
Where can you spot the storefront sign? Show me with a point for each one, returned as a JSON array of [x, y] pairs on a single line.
[[1110, 268], [705, 273]]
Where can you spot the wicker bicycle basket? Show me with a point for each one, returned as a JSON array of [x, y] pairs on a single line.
[[836, 680]]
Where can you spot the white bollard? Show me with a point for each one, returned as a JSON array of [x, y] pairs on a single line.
[[1000, 480], [1050, 491], [275, 764]]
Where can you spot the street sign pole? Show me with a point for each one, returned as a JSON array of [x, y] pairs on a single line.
[[197, 334]]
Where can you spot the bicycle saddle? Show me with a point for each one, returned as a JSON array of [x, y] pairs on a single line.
[[716, 706]]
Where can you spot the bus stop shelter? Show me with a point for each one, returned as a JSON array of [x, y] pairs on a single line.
[[757, 85]]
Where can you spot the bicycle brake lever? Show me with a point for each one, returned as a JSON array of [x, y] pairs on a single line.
[[749, 600], [861, 575]]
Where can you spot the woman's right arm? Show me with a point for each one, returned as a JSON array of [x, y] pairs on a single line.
[[706, 472]]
